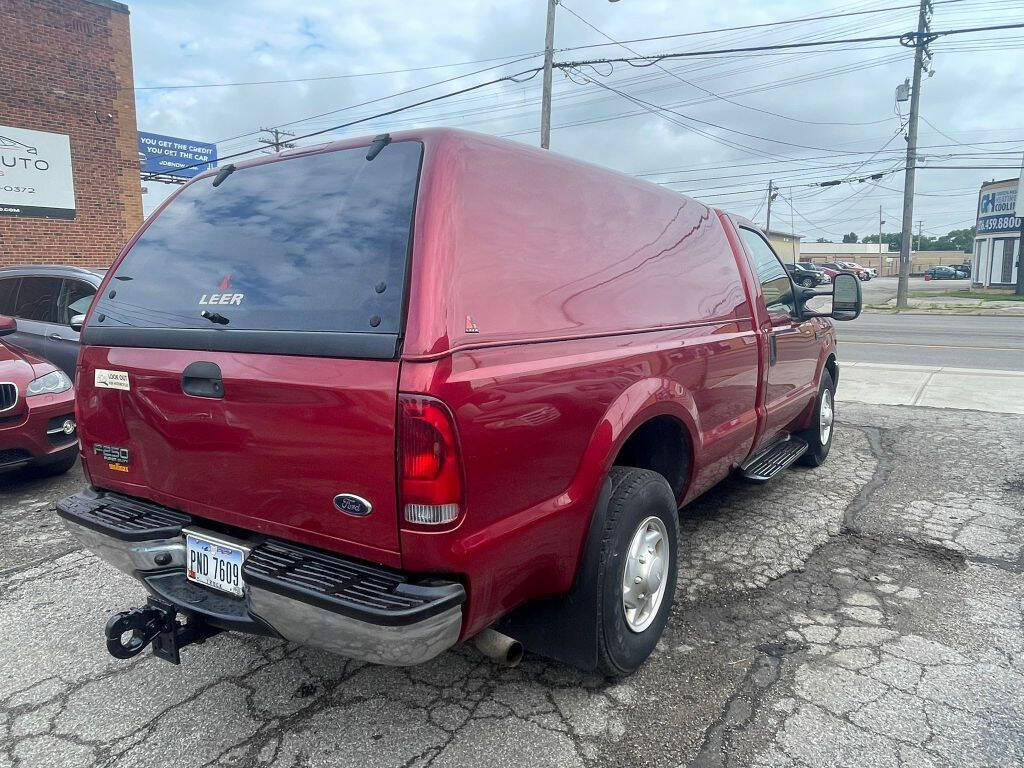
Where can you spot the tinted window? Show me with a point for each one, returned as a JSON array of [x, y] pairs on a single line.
[[76, 299], [775, 283], [8, 291], [313, 243], [37, 299]]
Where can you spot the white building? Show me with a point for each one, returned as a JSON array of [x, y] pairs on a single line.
[[997, 236]]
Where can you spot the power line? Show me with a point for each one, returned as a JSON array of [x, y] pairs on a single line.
[[531, 54], [532, 72], [718, 96], [906, 36], [349, 76]]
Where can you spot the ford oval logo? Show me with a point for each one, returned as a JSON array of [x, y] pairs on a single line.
[[351, 504]]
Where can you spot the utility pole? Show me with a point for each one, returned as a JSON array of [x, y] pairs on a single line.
[[277, 141], [1019, 213], [549, 53], [881, 221], [920, 225], [920, 42], [773, 192], [792, 224]]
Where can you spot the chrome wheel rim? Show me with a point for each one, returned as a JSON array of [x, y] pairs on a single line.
[[826, 414], [644, 572]]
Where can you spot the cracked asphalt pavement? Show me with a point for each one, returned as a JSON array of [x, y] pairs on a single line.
[[865, 613]]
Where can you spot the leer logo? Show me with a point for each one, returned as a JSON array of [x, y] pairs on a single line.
[[224, 297]]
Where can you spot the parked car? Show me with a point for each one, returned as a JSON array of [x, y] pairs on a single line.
[[830, 273], [962, 270], [806, 275], [37, 412], [397, 393], [872, 272], [862, 272], [941, 273], [44, 300], [838, 267]]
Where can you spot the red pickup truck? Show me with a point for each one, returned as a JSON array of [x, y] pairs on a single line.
[[385, 395]]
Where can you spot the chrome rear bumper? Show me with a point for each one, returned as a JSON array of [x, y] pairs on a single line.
[[356, 609]]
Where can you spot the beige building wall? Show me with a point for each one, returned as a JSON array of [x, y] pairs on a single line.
[[786, 245]]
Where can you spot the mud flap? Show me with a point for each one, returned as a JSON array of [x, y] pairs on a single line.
[[565, 628]]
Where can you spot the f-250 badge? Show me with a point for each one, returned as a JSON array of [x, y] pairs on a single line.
[[117, 458]]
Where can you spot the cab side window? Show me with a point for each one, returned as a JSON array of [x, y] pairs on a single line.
[[75, 300], [37, 299], [776, 287], [8, 293]]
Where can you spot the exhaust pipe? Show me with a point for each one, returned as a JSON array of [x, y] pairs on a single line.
[[500, 648]]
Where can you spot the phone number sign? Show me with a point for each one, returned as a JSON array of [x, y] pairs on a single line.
[[35, 174], [998, 224]]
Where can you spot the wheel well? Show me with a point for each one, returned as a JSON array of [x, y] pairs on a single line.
[[661, 445], [833, 368]]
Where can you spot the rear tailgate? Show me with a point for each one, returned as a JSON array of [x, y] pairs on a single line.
[[287, 436], [244, 352]]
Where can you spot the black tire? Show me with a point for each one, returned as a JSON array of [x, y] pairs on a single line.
[[55, 468], [818, 451], [636, 495], [807, 282]]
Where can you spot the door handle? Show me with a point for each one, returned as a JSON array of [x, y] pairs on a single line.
[[202, 379], [57, 337]]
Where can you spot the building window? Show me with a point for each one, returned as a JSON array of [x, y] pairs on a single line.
[[1002, 259], [978, 268]]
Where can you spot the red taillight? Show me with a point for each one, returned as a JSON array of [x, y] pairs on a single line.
[[429, 467]]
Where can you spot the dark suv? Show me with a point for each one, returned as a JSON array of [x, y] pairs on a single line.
[[806, 274], [44, 300]]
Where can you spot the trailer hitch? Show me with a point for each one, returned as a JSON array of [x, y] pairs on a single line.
[[155, 623]]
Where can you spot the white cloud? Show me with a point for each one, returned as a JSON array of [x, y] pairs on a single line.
[[971, 98]]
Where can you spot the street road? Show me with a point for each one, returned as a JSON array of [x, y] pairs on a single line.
[[878, 289], [962, 341], [863, 613]]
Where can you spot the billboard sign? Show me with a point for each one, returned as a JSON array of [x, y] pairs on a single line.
[[996, 208], [172, 155], [35, 174]]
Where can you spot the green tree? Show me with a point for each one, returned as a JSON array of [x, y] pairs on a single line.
[[850, 238]]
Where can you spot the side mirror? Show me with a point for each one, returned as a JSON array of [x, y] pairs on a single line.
[[8, 325], [847, 300], [77, 322]]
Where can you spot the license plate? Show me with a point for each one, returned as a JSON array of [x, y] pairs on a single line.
[[214, 563]]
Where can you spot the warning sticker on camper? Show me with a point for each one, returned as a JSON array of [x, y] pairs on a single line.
[[112, 379]]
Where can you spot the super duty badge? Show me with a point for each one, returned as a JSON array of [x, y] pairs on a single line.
[[118, 459]]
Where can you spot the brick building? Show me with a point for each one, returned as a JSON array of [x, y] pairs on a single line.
[[67, 83]]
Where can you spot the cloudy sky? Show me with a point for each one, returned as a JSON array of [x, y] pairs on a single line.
[[717, 127]]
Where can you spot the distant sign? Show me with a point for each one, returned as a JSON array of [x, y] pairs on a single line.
[[172, 155], [35, 174], [996, 208], [1017, 212]]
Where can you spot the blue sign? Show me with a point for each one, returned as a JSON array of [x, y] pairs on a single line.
[[996, 209], [998, 224], [171, 155]]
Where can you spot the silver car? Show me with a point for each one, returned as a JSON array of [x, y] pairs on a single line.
[[44, 299]]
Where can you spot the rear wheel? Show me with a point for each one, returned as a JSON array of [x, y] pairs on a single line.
[[637, 569], [807, 282], [819, 434]]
